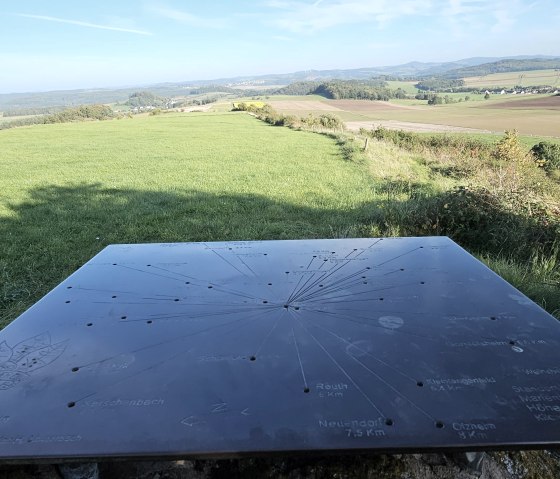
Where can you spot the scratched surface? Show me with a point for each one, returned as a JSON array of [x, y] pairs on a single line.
[[186, 350]]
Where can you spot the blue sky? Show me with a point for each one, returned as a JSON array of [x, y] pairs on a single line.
[[86, 44]]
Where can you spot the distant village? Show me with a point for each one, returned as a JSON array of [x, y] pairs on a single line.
[[524, 91]]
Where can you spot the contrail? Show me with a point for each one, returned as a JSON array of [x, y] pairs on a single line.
[[82, 24]]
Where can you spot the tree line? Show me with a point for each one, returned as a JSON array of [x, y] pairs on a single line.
[[375, 89], [505, 66], [80, 113]]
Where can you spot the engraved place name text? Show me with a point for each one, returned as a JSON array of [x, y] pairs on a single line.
[[35, 439], [356, 428], [538, 372], [542, 401], [125, 403], [350, 423], [455, 384], [473, 430]]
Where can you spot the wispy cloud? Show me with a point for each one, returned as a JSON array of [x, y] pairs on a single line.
[[498, 16], [187, 18], [299, 16], [82, 24], [308, 16]]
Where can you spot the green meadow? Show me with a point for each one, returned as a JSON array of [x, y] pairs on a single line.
[[68, 190]]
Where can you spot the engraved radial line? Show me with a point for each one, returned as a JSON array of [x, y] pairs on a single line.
[[344, 371], [220, 256], [312, 259], [124, 302], [369, 247], [420, 313], [204, 281], [394, 389], [325, 292], [299, 358], [398, 371], [247, 266], [179, 274], [168, 341], [378, 326], [105, 290], [296, 287], [159, 363], [332, 288], [326, 274], [202, 315], [399, 256], [391, 272], [338, 282], [148, 272], [267, 336], [294, 293], [232, 291], [369, 291]]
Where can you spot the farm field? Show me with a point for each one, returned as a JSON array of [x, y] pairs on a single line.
[[524, 78], [542, 103], [68, 190], [495, 115]]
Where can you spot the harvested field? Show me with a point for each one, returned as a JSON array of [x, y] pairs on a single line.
[[547, 103], [283, 106], [410, 126], [358, 106], [368, 105]]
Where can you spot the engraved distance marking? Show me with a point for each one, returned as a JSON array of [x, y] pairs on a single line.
[[455, 384], [356, 428], [331, 390]]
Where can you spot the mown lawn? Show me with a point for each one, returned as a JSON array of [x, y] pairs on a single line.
[[68, 190]]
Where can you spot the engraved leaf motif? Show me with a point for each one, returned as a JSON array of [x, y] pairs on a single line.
[[29, 345], [40, 358], [10, 379], [5, 352], [7, 366]]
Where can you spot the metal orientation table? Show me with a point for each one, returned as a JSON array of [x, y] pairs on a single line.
[[241, 348]]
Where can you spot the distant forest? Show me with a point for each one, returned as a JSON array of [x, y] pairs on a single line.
[[344, 89], [505, 66]]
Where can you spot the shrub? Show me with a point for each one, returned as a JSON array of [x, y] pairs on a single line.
[[509, 149], [547, 155]]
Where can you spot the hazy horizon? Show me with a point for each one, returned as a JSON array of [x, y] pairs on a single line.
[[69, 45]]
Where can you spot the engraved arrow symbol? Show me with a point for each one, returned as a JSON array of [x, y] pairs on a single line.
[[219, 407], [191, 421]]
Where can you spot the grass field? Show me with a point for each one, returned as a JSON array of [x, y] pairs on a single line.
[[526, 78], [67, 190], [407, 86]]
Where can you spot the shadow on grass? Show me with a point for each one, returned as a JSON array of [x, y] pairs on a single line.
[[60, 227]]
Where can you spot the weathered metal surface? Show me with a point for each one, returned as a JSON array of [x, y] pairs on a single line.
[[186, 350]]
